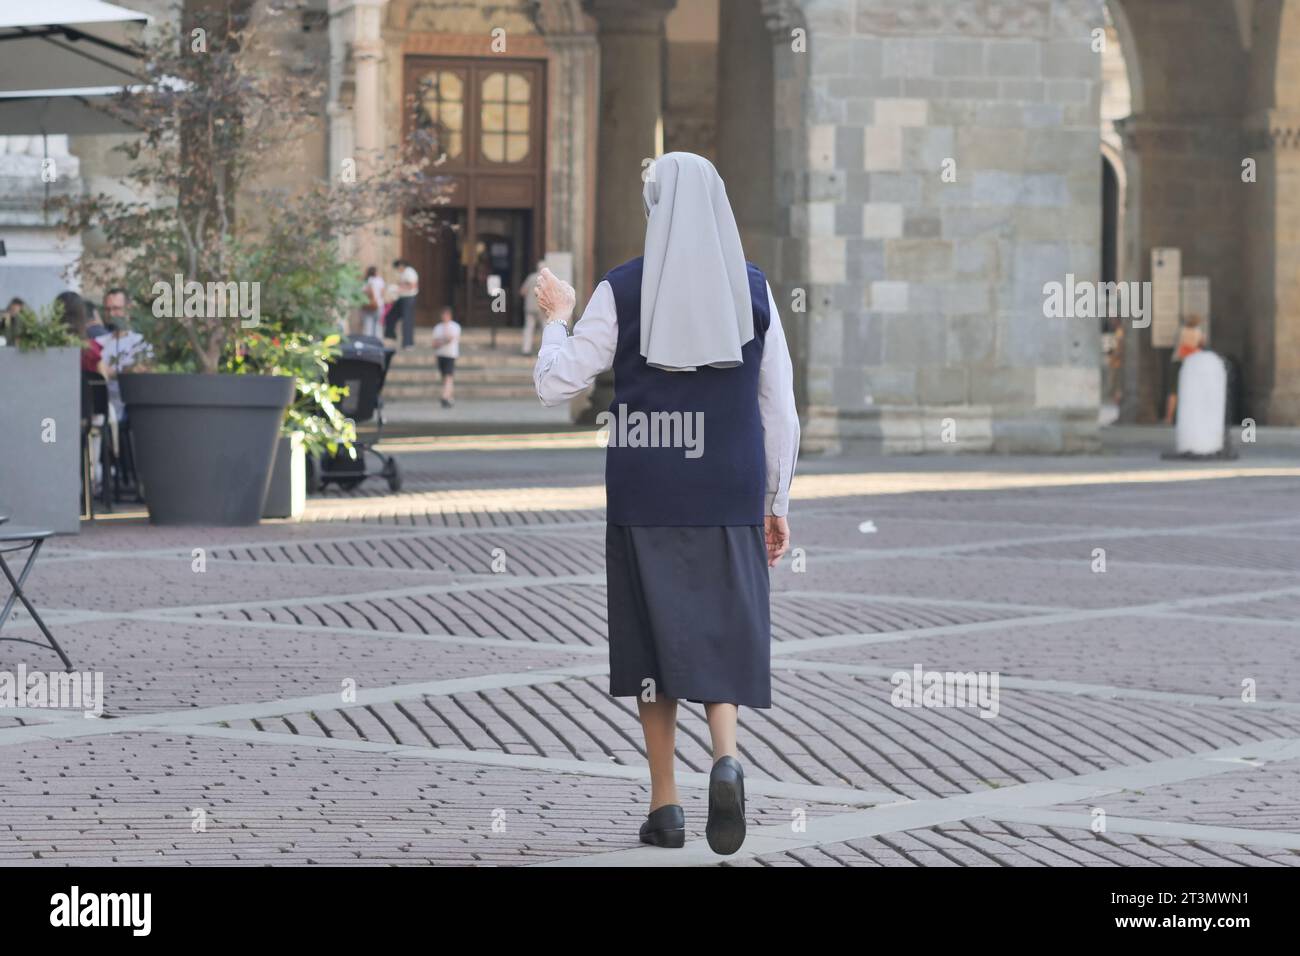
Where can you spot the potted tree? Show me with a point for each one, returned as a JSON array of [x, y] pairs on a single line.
[[235, 279]]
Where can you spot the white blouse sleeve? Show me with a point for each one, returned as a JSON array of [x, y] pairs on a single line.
[[777, 410], [568, 364]]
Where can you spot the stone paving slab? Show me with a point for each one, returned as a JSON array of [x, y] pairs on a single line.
[[152, 666], [1167, 508], [521, 610], [843, 528], [972, 578], [1263, 798], [575, 613], [486, 551], [829, 730], [1182, 656], [1282, 608], [72, 803], [798, 617], [1229, 550], [984, 842], [132, 583], [133, 535], [415, 515], [1002, 512]]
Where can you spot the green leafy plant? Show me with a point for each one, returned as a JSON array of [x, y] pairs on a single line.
[[43, 329], [308, 291], [315, 411]]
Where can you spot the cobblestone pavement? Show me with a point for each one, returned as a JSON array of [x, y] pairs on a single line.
[[420, 678]]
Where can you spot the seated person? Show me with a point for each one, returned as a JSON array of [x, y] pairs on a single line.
[[123, 349], [76, 317], [114, 313]]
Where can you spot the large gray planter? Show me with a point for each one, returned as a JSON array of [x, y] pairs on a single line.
[[204, 444], [40, 438], [286, 494]]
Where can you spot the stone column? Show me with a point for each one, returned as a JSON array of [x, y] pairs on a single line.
[[1272, 235], [571, 141], [789, 106], [631, 38], [630, 130], [1272, 366], [355, 109], [744, 125]]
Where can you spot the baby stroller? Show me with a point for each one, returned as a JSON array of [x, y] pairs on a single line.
[[361, 368]]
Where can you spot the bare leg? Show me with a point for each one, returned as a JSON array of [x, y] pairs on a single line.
[[448, 389], [659, 724], [722, 728], [1170, 407]]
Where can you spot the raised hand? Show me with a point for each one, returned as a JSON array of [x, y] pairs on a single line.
[[555, 297]]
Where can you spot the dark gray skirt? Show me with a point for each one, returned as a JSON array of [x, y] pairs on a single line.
[[689, 610]]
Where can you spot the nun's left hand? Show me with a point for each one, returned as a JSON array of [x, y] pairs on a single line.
[[555, 297]]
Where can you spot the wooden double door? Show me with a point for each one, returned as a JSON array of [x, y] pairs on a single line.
[[487, 117]]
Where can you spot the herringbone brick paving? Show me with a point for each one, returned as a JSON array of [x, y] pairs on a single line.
[[419, 678]]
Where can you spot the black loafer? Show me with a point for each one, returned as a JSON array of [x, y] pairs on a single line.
[[665, 827], [726, 827]]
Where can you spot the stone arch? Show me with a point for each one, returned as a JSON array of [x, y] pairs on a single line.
[[1189, 66], [1129, 50], [1181, 58]]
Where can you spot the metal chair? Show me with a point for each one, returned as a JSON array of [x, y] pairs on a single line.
[[20, 539]]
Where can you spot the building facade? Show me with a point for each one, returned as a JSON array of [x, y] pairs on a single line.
[[911, 175]]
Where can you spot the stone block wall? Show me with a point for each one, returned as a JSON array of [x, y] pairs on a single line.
[[925, 328]]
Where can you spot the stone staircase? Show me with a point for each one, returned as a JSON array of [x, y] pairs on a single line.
[[481, 371]]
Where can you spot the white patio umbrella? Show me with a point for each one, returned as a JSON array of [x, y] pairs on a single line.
[[57, 57]]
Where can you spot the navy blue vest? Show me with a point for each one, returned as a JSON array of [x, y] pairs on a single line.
[[720, 479]]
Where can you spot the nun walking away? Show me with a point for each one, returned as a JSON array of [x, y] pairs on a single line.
[[703, 437]]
